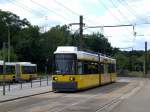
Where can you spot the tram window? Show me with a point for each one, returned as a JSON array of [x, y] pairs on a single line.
[[111, 68], [65, 63], [93, 68], [85, 68], [25, 69], [28, 69], [65, 56], [10, 69], [105, 68], [90, 68], [65, 66], [80, 68], [1, 69], [101, 68]]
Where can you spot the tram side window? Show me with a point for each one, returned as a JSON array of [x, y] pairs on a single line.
[[101, 68], [106, 68], [111, 68], [29, 69], [94, 68], [32, 69], [10, 69], [85, 68], [80, 68], [90, 68], [1, 69]]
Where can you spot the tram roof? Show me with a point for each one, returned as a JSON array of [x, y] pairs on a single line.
[[1, 62], [84, 55], [14, 63], [10, 63], [26, 63], [7, 63], [66, 49]]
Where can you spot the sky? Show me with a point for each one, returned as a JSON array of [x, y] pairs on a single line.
[[49, 13]]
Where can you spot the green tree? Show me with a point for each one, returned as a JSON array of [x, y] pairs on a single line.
[[122, 60], [98, 43], [12, 23], [56, 36]]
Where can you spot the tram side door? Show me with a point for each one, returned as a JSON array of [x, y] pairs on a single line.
[[18, 72], [106, 74]]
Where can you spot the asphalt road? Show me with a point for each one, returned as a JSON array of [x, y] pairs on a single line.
[[139, 102], [85, 101]]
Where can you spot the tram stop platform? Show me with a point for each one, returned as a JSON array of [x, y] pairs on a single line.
[[23, 93]]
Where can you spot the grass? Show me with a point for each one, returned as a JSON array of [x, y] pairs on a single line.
[[135, 74], [131, 74]]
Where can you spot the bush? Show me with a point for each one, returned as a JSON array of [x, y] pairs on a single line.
[[127, 73]]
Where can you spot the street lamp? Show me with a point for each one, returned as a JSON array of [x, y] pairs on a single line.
[[8, 38], [8, 42]]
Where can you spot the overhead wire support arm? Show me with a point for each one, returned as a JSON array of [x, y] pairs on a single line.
[[109, 26], [71, 24], [113, 15]]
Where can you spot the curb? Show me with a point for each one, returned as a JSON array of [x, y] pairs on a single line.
[[8, 100]]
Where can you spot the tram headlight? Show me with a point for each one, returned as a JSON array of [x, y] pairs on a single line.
[[72, 78], [55, 78]]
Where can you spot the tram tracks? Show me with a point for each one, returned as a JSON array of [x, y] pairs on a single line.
[[114, 100], [108, 90], [92, 100]]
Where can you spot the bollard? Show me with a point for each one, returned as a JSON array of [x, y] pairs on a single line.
[[31, 80], [47, 80], [21, 84], [8, 86], [40, 81], [4, 89]]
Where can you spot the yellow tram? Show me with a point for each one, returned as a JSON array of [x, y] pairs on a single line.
[[76, 69], [9, 72], [26, 71], [17, 71]]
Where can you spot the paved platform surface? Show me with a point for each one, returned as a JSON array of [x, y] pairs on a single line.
[[20, 93], [93, 100], [16, 91]]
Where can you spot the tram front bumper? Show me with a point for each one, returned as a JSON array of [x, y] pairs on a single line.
[[64, 86]]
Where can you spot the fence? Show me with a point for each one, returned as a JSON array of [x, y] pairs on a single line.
[[38, 82]]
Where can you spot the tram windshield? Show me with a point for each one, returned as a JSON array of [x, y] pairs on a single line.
[[65, 64]]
